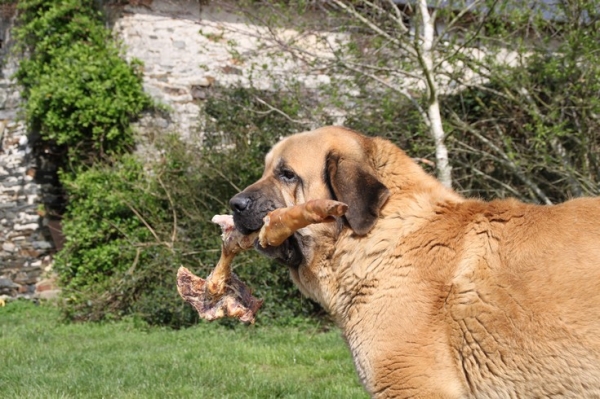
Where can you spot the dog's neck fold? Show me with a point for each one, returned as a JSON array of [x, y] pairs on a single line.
[[401, 174]]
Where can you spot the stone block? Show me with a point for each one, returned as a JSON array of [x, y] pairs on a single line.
[[10, 191], [25, 227], [25, 244], [29, 253], [23, 278], [6, 283], [9, 247], [42, 245], [28, 218], [26, 289], [35, 268]]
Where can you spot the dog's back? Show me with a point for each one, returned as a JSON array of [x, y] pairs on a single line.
[[524, 305]]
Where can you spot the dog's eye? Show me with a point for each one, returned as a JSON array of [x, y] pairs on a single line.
[[288, 176]]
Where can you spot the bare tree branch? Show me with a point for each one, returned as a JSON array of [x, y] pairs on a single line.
[[558, 148], [355, 14], [280, 112], [397, 89]]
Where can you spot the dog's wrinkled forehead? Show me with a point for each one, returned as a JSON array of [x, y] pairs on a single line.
[[314, 145]]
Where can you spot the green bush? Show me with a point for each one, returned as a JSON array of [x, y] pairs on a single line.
[[129, 229], [85, 101], [102, 233], [538, 127], [81, 95]]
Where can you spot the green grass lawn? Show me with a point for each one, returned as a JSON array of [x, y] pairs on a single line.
[[44, 358]]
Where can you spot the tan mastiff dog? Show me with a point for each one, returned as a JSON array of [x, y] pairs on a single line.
[[438, 296]]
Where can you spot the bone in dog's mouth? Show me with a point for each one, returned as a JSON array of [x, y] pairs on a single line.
[[223, 294]]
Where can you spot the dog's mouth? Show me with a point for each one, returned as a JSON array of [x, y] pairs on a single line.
[[289, 253]]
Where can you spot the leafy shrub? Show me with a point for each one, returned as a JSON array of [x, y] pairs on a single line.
[[532, 132], [101, 230], [120, 257], [81, 95]]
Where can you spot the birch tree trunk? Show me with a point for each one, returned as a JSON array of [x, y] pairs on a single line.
[[426, 58]]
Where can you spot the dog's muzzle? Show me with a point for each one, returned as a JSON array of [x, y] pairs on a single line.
[[249, 209]]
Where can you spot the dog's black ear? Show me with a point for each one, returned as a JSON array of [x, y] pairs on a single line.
[[356, 185]]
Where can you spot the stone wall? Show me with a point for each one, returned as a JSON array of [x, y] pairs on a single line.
[[25, 244], [187, 48]]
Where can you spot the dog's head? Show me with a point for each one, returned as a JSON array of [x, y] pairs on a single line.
[[331, 163]]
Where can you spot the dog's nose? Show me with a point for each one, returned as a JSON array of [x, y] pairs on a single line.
[[239, 202]]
